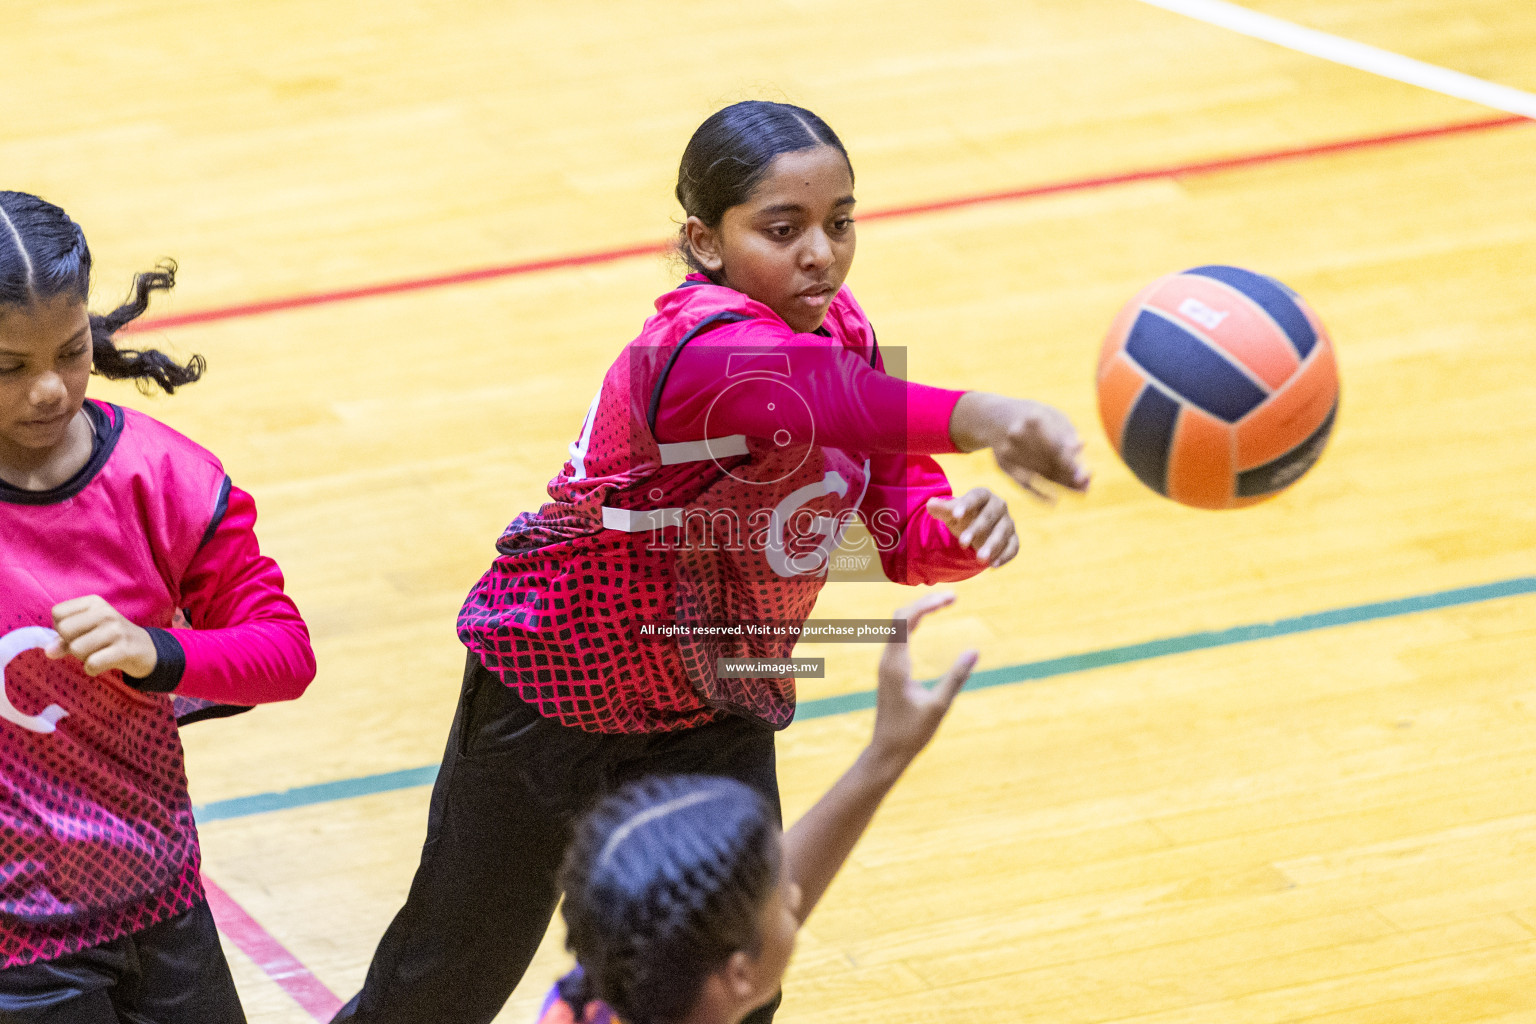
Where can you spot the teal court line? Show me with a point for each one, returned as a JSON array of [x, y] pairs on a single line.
[[345, 789]]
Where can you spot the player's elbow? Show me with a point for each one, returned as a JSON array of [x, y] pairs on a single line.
[[928, 572], [291, 665], [304, 668]]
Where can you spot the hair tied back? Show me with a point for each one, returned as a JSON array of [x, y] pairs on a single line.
[[48, 257]]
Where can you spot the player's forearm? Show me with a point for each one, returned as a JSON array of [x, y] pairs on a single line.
[[254, 663], [1027, 438], [818, 844], [834, 398], [981, 419]]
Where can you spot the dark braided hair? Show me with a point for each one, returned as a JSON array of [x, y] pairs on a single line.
[[664, 880], [729, 154], [43, 255]]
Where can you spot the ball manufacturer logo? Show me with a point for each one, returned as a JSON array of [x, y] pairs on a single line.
[[1198, 312], [11, 645]]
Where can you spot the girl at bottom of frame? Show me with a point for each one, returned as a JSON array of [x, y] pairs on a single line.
[[683, 897]]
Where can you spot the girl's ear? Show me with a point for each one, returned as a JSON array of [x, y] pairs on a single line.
[[729, 990], [740, 976], [705, 244]]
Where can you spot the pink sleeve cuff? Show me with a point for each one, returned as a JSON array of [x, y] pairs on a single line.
[[929, 410]]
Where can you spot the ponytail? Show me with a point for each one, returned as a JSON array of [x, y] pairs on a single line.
[[43, 255], [147, 366]]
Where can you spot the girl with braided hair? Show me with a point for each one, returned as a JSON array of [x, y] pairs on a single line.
[[133, 599], [682, 896]]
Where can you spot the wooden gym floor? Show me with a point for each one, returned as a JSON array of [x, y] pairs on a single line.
[[1331, 820]]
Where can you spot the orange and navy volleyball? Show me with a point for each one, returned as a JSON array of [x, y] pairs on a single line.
[[1218, 387]]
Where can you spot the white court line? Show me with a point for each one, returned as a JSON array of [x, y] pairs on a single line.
[[1353, 54]]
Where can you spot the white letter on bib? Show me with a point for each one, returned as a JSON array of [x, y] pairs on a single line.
[[812, 561], [12, 644]]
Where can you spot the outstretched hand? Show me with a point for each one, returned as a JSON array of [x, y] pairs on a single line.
[[96, 634], [1040, 442], [1031, 441], [980, 520], [907, 713]]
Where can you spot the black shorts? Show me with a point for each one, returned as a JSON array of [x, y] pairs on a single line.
[[173, 972], [511, 785]]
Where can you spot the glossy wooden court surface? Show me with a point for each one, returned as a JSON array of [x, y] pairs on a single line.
[[1331, 825]]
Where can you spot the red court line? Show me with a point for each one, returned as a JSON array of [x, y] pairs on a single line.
[[1205, 167], [270, 955], [394, 287], [656, 248]]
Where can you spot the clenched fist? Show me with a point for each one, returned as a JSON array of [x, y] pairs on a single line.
[[96, 634]]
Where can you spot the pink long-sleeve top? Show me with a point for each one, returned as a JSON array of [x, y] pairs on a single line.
[[96, 828], [851, 402], [710, 482]]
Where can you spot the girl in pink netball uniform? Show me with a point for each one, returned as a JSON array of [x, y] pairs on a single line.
[[132, 591], [724, 454]]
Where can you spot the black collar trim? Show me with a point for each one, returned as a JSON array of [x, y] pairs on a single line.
[[106, 427]]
